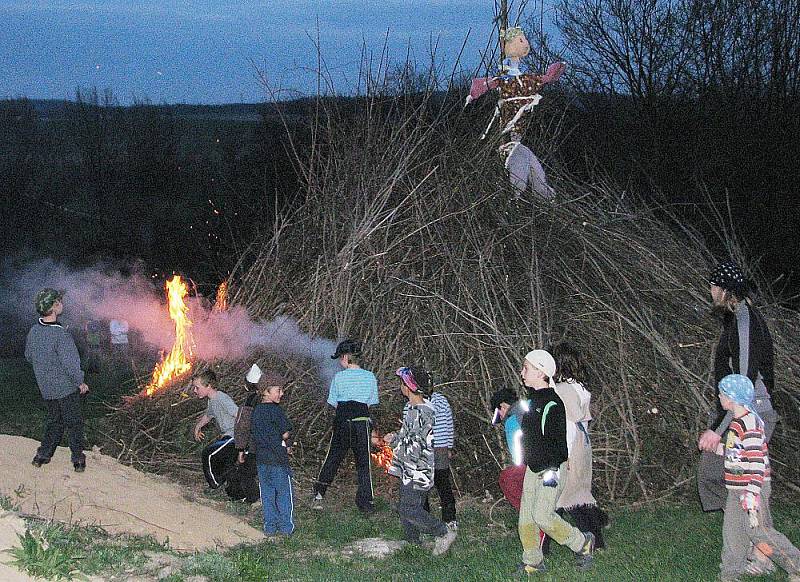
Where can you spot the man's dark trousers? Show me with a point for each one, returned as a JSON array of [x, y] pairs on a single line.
[[63, 414]]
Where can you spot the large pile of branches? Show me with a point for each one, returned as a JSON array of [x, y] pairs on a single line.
[[408, 236]]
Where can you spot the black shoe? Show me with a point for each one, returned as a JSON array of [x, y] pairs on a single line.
[[79, 467], [367, 509], [38, 462]]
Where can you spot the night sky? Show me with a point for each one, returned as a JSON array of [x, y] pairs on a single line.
[[201, 51]]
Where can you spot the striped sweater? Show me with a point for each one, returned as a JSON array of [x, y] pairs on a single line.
[[444, 435], [443, 429], [353, 384], [746, 455]]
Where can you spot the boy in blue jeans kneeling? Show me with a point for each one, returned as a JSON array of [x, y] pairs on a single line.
[[269, 431]]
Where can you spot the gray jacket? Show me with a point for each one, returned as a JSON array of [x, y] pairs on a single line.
[[56, 363], [413, 458]]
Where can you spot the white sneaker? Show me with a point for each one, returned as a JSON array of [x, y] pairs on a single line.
[[452, 525], [443, 543], [316, 503]]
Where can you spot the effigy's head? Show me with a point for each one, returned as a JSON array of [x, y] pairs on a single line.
[[515, 43]]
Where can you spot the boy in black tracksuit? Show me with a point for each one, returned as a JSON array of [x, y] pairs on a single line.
[[351, 393]]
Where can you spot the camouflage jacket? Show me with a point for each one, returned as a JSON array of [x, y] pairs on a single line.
[[413, 447]]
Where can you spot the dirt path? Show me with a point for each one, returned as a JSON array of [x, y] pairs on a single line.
[[116, 497]]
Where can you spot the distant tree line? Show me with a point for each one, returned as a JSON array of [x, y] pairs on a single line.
[[182, 190]]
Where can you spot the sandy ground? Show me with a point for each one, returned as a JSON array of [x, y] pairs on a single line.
[[115, 497]]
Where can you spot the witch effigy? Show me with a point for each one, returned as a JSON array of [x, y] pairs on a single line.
[[519, 94]]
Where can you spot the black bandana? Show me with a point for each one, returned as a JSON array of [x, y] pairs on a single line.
[[729, 276]]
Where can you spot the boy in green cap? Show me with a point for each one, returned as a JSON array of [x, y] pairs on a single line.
[[57, 367]]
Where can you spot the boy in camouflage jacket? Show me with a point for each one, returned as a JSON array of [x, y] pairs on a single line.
[[413, 462]]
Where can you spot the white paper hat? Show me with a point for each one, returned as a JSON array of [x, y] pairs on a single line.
[[254, 374]]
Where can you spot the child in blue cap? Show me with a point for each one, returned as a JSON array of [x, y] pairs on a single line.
[[747, 522]]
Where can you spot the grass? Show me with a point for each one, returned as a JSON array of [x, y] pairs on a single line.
[[38, 558], [669, 542], [59, 551]]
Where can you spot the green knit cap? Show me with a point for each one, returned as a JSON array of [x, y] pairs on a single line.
[[46, 298]]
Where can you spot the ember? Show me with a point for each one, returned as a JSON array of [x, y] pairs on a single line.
[[383, 458], [178, 361]]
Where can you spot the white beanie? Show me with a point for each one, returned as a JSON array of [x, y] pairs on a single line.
[[542, 360], [254, 374]]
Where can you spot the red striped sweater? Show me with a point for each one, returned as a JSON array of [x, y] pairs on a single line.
[[746, 454]]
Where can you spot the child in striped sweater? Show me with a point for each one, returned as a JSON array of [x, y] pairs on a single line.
[[443, 441], [747, 520]]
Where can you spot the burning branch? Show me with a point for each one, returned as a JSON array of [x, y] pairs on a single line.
[[383, 458]]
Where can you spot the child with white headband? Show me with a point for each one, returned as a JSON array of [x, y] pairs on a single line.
[[544, 429]]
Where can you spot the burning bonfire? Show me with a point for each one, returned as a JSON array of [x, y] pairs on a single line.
[[179, 360]]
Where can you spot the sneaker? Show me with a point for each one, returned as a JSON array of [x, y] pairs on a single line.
[[38, 462], [443, 542], [452, 525], [316, 502], [584, 556], [526, 570], [79, 467]]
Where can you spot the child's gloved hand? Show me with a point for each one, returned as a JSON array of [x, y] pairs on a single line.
[[750, 501], [550, 477]]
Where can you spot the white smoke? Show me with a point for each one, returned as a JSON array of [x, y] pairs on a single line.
[[232, 334], [104, 293]]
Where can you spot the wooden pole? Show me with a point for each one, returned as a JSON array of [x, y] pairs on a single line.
[[503, 25]]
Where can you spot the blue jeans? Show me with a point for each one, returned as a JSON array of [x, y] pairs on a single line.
[[276, 498]]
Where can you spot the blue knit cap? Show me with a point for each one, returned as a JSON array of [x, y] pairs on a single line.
[[738, 388]]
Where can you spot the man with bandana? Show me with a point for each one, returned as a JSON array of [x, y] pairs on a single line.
[[745, 347]]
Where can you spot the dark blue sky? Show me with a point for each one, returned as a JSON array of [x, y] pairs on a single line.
[[200, 51]]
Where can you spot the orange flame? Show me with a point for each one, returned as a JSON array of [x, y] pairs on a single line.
[[178, 361], [221, 302], [383, 458]]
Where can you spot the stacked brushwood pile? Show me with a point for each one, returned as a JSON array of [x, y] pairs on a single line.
[[408, 236]]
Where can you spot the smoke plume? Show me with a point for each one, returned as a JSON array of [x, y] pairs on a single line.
[[104, 293]]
